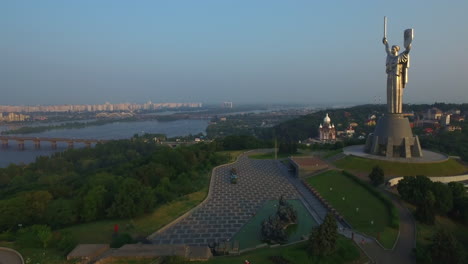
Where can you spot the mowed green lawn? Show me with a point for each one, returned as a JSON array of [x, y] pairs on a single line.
[[445, 168], [233, 154], [346, 252], [249, 236], [268, 155], [364, 211], [271, 155]]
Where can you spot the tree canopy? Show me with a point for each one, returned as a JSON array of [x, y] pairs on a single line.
[[118, 179], [323, 239]]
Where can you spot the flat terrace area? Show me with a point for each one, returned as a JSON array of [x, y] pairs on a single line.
[[309, 162], [428, 156], [229, 206]]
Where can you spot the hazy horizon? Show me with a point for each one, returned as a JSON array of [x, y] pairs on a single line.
[[265, 52]]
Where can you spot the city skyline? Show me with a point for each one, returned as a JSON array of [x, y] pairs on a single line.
[[242, 51], [96, 107]]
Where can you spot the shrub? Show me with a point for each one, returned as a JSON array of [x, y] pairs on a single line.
[[65, 242], [120, 240], [377, 176], [35, 236]]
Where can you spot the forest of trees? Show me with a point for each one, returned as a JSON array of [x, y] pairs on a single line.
[[433, 198], [118, 179], [452, 143]]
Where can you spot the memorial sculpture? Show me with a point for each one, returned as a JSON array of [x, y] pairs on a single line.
[[393, 136], [273, 229]]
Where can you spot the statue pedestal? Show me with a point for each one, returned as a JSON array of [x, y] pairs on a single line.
[[393, 137]]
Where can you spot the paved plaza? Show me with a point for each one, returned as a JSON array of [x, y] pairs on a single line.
[[428, 156], [229, 206]]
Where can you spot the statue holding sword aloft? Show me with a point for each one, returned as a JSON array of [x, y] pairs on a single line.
[[397, 70]]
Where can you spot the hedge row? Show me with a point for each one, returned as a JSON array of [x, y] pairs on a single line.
[[394, 217]]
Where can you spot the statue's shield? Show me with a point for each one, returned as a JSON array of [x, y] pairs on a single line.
[[408, 35]]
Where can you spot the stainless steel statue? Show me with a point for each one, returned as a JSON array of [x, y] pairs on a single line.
[[392, 136], [397, 70]]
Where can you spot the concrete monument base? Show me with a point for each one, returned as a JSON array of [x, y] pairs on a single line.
[[392, 138]]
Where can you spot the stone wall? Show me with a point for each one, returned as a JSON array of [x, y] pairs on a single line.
[[444, 179]]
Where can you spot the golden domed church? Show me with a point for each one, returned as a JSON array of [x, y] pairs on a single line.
[[327, 130]]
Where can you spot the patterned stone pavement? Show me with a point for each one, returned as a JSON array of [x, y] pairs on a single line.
[[229, 206]]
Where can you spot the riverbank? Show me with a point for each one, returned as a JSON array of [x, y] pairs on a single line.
[[112, 131]]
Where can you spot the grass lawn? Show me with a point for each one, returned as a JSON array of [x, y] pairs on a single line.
[[135, 261], [101, 231], [370, 208], [233, 154], [249, 235], [346, 252], [445, 168], [268, 155], [271, 155]]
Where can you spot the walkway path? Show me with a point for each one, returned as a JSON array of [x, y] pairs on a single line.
[[402, 253], [229, 206], [428, 156], [315, 207], [10, 256]]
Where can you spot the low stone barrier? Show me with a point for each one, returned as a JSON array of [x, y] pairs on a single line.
[[324, 202], [443, 179]]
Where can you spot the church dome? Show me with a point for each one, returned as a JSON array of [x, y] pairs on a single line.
[[327, 119]]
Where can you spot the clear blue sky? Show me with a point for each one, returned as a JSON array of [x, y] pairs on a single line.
[[245, 51]]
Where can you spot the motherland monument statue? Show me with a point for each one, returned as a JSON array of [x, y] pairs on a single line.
[[393, 136]]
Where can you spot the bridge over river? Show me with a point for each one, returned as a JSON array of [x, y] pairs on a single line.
[[53, 141]]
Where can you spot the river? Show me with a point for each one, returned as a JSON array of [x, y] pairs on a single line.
[[117, 130]]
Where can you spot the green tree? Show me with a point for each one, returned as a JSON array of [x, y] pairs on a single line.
[[120, 240], [458, 190], [323, 239], [94, 204], [444, 202], [132, 199], [61, 212], [163, 190], [65, 242], [445, 248], [44, 234], [12, 214], [425, 211], [34, 236], [413, 189], [460, 209], [377, 176]]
